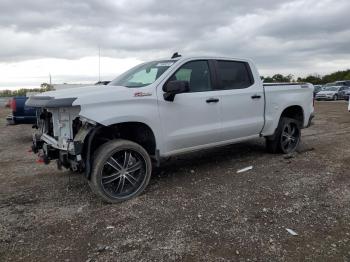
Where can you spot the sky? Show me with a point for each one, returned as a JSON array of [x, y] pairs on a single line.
[[62, 38]]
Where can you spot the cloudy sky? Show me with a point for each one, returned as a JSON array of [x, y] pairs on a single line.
[[40, 37]]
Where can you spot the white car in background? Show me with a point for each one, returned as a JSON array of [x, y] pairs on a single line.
[[332, 93]]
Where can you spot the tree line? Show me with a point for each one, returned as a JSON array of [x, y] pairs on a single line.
[[23, 91], [315, 79]]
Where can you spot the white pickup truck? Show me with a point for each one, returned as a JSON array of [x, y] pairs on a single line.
[[114, 133]]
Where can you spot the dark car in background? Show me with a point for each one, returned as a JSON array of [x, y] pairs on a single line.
[[342, 92], [102, 83], [347, 95], [317, 88], [21, 114]]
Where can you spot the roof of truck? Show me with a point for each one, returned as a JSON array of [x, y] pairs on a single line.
[[208, 57]]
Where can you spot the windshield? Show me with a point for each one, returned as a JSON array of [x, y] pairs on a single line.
[[332, 88], [142, 75]]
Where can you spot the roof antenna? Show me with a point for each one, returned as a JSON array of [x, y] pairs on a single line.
[[99, 64], [175, 55]]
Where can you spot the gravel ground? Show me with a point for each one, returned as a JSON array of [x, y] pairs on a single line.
[[197, 206]]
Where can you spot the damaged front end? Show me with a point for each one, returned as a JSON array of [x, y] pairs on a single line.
[[61, 132]]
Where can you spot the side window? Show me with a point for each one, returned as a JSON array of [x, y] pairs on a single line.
[[234, 74], [197, 74]]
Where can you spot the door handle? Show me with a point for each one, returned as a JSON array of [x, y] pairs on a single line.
[[212, 100], [256, 96]]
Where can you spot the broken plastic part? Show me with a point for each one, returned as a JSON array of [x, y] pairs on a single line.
[[244, 169], [292, 232], [40, 161]]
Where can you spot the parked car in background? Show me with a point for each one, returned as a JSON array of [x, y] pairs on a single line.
[[163, 108], [338, 83], [102, 83], [332, 93], [317, 88], [343, 83], [342, 91], [347, 94], [21, 114]]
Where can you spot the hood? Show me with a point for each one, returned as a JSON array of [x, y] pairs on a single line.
[[325, 92], [83, 96], [82, 93]]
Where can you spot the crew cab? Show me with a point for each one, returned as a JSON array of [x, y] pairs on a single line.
[[116, 133]]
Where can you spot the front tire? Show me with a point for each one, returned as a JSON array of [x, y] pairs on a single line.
[[335, 98], [121, 171], [286, 138]]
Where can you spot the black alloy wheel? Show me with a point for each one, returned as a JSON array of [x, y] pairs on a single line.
[[290, 137], [122, 170]]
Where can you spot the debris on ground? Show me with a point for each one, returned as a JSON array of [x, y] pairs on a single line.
[[292, 232], [244, 169], [101, 248]]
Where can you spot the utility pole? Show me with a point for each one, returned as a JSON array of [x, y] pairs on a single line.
[[99, 64], [50, 78]]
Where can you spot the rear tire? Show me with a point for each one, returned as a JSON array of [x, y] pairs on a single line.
[[121, 171], [335, 97], [286, 138]]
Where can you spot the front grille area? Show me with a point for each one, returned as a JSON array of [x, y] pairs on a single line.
[[77, 124]]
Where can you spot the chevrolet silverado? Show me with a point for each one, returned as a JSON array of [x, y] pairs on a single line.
[[116, 133]]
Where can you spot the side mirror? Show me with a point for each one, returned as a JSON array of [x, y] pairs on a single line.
[[172, 88]]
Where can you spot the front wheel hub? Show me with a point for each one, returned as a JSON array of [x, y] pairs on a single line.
[[123, 173]]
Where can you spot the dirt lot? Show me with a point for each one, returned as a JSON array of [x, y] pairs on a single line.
[[196, 208]]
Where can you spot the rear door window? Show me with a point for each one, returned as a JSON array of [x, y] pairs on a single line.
[[234, 74]]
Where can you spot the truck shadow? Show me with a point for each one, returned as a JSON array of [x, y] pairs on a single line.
[[211, 158]]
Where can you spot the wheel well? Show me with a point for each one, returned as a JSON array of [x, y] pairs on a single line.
[[294, 112], [137, 132]]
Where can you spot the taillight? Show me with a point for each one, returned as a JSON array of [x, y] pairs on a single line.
[[13, 105]]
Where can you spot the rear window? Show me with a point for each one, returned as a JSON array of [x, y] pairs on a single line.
[[234, 74]]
